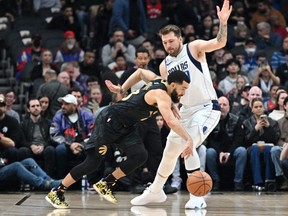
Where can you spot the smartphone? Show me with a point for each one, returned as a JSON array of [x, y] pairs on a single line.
[[263, 117]]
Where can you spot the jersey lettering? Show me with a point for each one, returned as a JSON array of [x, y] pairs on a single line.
[[182, 66]]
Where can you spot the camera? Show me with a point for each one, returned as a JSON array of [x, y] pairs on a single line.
[[270, 185]]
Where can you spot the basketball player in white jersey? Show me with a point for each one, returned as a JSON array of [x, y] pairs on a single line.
[[200, 111]]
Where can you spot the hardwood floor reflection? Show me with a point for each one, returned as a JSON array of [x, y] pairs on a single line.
[[89, 203]]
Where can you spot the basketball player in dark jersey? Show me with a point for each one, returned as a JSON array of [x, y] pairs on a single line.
[[116, 124]]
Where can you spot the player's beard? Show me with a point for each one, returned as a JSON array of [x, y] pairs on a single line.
[[176, 51], [175, 96]]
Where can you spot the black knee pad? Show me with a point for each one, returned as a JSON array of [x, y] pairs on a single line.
[[136, 156]]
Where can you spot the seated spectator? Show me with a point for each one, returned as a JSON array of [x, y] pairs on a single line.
[[95, 99], [89, 66], [37, 143], [10, 100], [117, 44], [69, 50], [265, 38], [64, 78], [37, 74], [264, 12], [119, 66], [235, 96], [53, 89], [238, 15], [29, 54], [241, 100], [28, 172], [66, 21], [260, 129], [270, 101], [276, 27], [69, 129], [44, 65], [241, 58], [77, 93], [246, 111], [45, 107], [9, 134], [250, 57], [265, 78], [278, 112], [281, 71], [278, 57], [239, 36], [225, 146], [276, 151], [77, 79], [154, 64], [228, 84]]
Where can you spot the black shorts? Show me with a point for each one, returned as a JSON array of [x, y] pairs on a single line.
[[108, 129]]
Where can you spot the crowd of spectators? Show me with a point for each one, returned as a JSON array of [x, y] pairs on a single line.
[[110, 39]]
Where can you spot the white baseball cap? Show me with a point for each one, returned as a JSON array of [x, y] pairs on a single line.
[[69, 98]]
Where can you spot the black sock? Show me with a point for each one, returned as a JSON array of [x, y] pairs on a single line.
[[110, 179], [61, 188]]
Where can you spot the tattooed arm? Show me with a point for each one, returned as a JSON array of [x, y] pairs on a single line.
[[198, 48]]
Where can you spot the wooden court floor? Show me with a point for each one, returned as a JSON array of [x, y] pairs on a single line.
[[89, 203]]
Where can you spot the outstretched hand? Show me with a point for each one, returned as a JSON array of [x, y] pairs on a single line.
[[112, 88], [225, 12]]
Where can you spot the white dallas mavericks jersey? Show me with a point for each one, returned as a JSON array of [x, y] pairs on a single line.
[[201, 88]]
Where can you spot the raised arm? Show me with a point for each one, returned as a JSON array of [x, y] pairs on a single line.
[[138, 75], [199, 47]]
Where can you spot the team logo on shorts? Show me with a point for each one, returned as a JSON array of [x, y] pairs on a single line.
[[103, 150]]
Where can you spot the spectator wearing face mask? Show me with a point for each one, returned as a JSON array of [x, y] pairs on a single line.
[[69, 50], [250, 55]]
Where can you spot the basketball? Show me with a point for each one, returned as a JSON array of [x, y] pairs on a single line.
[[199, 183]]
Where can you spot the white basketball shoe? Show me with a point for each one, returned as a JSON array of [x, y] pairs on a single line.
[[196, 202], [148, 197]]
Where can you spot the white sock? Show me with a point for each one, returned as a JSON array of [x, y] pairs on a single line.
[[158, 183]]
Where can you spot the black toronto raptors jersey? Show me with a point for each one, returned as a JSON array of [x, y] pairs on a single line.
[[133, 108]]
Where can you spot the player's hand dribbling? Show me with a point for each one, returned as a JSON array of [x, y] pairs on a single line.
[[188, 150]]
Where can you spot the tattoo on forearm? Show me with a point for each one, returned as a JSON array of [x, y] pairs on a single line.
[[222, 33]]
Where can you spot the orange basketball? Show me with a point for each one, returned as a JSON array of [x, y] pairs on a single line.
[[199, 183]]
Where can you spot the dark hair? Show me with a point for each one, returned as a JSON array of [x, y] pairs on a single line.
[[235, 61], [8, 91], [278, 96], [141, 50], [255, 100], [285, 101], [28, 102], [177, 77], [170, 28], [92, 79], [75, 89]]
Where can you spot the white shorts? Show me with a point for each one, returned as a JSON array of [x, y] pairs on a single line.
[[199, 121]]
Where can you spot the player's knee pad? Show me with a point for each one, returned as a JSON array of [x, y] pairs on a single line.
[[136, 156]]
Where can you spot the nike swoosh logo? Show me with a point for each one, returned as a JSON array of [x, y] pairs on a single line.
[[168, 63], [205, 105]]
